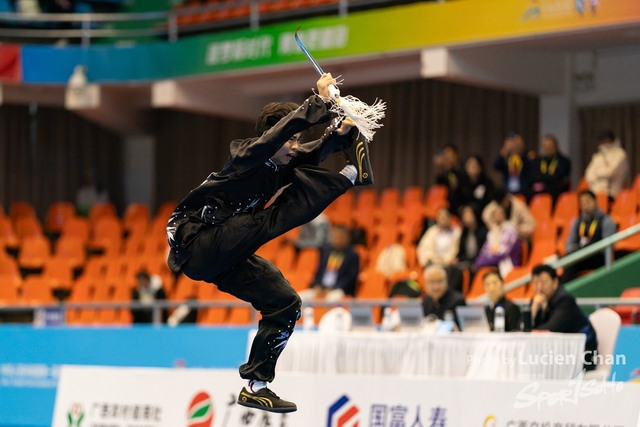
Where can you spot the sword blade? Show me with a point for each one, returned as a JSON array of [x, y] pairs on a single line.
[[307, 54]]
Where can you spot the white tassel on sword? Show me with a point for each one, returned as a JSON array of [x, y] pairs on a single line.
[[364, 116]]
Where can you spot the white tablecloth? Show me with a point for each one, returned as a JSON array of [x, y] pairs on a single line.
[[480, 356]]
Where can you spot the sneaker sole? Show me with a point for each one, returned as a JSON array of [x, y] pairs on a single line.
[[268, 409]]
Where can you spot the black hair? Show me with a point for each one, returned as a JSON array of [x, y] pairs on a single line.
[[142, 274], [271, 114], [489, 273], [544, 268], [606, 134], [588, 193], [499, 194]]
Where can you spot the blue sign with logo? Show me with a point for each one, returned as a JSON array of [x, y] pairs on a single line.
[[30, 359]]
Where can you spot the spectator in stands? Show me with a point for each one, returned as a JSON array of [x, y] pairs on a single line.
[[494, 287], [554, 309], [314, 234], [475, 187], [447, 166], [338, 269], [591, 226], [473, 237], [502, 249], [90, 193], [513, 164], [440, 298], [517, 213], [474, 234], [439, 245], [148, 290], [550, 173], [608, 170]]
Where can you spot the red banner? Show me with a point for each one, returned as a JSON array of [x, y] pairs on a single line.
[[10, 63]]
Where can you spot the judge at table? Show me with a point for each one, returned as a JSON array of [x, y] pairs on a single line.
[[440, 298], [554, 309], [494, 287]]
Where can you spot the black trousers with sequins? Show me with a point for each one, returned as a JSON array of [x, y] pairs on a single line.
[[224, 255]]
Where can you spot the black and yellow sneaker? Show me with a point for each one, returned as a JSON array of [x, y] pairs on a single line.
[[358, 156], [266, 400]]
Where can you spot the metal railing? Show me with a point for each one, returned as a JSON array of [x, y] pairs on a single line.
[[158, 307], [605, 244], [168, 27]]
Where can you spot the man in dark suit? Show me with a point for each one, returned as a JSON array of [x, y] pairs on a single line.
[[554, 309], [550, 173], [494, 287], [440, 298], [338, 268]]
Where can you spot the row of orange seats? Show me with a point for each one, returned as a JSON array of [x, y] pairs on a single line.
[[229, 9]]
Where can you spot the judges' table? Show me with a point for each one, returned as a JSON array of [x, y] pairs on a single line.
[[542, 355]]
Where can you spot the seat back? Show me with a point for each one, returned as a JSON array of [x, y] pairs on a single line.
[[606, 323], [335, 320]]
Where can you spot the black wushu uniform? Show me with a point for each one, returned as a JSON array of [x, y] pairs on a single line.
[[215, 231]]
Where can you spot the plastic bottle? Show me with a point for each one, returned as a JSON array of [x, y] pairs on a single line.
[[448, 316], [498, 319], [340, 319], [308, 319], [386, 320], [526, 318]]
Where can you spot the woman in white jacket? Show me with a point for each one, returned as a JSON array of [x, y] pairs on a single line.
[[608, 170]]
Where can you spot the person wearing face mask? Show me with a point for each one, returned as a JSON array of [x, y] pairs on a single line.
[[216, 229], [608, 170]]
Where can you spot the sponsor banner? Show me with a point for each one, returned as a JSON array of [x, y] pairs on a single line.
[[385, 30], [30, 359], [151, 397], [10, 63], [627, 346]]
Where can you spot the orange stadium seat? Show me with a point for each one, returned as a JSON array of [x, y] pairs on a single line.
[[566, 209], [34, 252], [603, 201], [8, 292], [59, 271], [21, 209], [625, 205], [630, 244], [37, 290], [540, 206], [373, 285], [100, 210], [27, 226], [72, 249], [77, 227], [7, 235], [136, 218], [57, 214], [629, 314]]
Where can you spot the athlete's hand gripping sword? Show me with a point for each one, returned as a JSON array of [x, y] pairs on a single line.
[[364, 116]]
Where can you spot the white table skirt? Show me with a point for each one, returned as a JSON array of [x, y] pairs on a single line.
[[478, 356]]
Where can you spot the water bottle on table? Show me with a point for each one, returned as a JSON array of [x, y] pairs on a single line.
[[498, 319]]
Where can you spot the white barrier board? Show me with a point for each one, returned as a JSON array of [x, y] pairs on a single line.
[[152, 397]]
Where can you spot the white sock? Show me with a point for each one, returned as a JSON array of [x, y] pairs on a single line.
[[256, 385], [350, 172]]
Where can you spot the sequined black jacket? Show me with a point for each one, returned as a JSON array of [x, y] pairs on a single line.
[[249, 178]]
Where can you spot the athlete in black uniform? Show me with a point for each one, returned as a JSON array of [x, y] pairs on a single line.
[[215, 231]]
